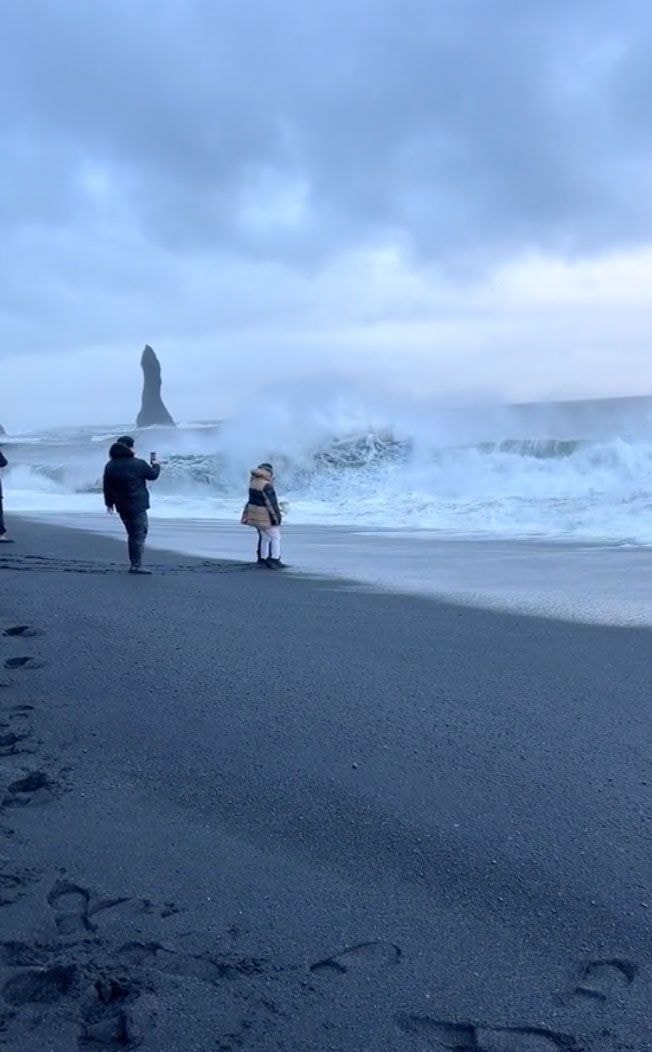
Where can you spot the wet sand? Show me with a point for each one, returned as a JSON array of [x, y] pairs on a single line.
[[600, 583], [245, 810]]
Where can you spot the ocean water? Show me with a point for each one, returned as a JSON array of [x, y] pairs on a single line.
[[556, 471]]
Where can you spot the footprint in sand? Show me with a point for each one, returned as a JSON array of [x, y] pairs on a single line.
[[78, 909], [115, 1032], [479, 1037], [22, 632], [19, 712], [33, 788], [103, 1023], [24, 662], [10, 738], [12, 743], [604, 980], [70, 903], [15, 954], [361, 954], [14, 883], [14, 730], [209, 969], [40, 985], [106, 1023], [11, 889]]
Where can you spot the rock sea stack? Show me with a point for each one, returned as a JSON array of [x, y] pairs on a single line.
[[152, 411]]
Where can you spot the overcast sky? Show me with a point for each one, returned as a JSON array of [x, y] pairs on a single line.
[[443, 197]]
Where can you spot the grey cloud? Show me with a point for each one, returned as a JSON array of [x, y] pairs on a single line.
[[465, 129]]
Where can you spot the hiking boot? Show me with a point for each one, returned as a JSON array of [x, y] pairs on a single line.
[[275, 564], [260, 561], [140, 572]]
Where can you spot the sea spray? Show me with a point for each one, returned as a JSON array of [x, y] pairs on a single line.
[[560, 471]]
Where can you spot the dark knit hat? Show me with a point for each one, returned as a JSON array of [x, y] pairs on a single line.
[[126, 440]]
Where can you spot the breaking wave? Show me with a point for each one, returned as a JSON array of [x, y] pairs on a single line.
[[371, 470]]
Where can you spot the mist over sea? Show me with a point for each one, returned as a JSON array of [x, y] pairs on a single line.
[[565, 470]]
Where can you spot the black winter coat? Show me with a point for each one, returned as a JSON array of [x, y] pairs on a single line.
[[125, 481], [3, 464]]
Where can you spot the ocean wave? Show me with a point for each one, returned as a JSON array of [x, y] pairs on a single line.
[[509, 487], [541, 448], [566, 472]]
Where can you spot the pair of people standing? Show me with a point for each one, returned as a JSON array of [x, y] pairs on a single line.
[[263, 512], [125, 491]]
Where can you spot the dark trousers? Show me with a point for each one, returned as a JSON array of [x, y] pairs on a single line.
[[2, 520], [136, 527]]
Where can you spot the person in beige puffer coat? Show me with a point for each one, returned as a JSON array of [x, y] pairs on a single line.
[[263, 513]]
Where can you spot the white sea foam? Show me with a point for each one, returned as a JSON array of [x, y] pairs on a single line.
[[581, 471]]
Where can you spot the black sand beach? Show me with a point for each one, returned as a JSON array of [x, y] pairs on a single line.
[[245, 810]]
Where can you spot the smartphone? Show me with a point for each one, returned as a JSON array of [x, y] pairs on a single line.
[[152, 457]]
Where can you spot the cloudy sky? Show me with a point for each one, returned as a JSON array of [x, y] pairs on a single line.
[[446, 198]]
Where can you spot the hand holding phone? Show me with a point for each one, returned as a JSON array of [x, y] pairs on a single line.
[[152, 458]]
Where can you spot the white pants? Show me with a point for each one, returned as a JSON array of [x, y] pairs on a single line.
[[271, 542]]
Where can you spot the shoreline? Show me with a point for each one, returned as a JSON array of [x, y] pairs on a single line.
[[589, 583], [281, 813]]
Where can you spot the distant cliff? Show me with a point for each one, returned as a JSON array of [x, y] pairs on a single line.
[[2, 430], [152, 410]]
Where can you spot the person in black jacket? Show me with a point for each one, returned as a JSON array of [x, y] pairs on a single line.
[[125, 491], [4, 539]]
